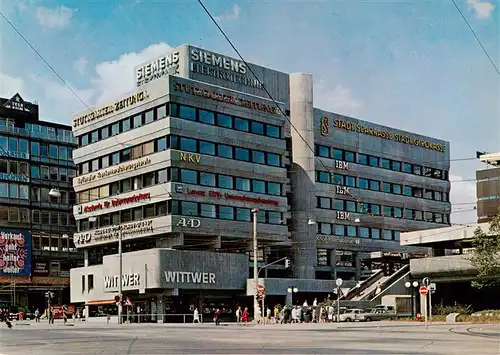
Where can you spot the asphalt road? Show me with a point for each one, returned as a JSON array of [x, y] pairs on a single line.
[[374, 338]]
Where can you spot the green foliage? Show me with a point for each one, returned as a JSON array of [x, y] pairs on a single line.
[[439, 309], [486, 255]]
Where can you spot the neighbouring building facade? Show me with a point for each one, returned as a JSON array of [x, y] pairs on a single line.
[[488, 188], [176, 167], [36, 241]]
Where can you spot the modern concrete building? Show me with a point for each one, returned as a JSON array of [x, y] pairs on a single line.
[[177, 166], [36, 236], [488, 188]]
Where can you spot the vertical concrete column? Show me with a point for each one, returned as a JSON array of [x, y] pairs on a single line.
[[160, 309], [357, 260], [86, 265], [302, 175]]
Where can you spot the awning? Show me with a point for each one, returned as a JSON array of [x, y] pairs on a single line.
[[100, 303]]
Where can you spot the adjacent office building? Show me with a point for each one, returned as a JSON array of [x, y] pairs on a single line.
[[36, 236], [176, 167], [488, 188]]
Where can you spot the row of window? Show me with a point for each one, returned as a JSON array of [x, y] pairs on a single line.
[[207, 210], [181, 143], [124, 186], [13, 167], [181, 111], [364, 159], [379, 210], [128, 215], [225, 181], [224, 151], [223, 120], [124, 155], [375, 185], [22, 215], [60, 134], [53, 173], [341, 230], [41, 194], [13, 190], [13, 144], [52, 151]]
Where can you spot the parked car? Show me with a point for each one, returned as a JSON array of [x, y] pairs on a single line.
[[377, 314], [351, 315]]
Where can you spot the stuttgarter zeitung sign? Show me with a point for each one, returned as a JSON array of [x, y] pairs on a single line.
[[233, 100], [109, 109], [349, 126], [113, 171], [111, 234]]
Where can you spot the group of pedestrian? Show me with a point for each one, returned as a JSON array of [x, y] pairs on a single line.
[[242, 316]]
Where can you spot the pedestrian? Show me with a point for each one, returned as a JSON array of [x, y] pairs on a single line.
[[238, 315], [4, 317], [276, 314], [217, 317], [299, 314], [268, 315], [244, 316], [294, 314], [37, 316], [196, 316]]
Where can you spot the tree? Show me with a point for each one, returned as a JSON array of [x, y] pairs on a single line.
[[486, 254]]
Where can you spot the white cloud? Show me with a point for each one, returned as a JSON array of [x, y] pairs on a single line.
[[462, 198], [80, 64], [482, 9], [230, 15], [338, 99], [110, 80], [58, 17], [10, 85]]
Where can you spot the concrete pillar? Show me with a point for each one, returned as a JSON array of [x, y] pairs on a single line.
[[160, 309], [357, 260], [86, 265], [170, 241], [302, 176]]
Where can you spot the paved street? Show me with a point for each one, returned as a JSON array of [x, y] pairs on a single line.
[[347, 339]]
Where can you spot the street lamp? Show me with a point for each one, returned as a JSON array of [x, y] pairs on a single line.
[[357, 220], [291, 291], [409, 286], [55, 193], [255, 265], [338, 283], [311, 222]]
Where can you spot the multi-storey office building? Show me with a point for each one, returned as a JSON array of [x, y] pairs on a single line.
[[177, 166], [36, 229], [488, 188]]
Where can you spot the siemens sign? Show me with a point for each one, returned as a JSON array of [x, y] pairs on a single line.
[[167, 64]]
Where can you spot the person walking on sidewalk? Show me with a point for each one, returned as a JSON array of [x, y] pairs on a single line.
[[244, 316], [217, 317], [196, 316], [37, 316], [238, 315]]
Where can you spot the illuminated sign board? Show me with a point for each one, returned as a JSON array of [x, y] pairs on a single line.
[[113, 203], [113, 171], [325, 126], [233, 197], [109, 109], [233, 100], [349, 126], [337, 240], [167, 64], [112, 233], [221, 67], [190, 157]]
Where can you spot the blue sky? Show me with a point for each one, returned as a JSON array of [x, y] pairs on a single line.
[[410, 64]]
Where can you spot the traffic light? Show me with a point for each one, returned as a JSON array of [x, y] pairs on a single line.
[[287, 263]]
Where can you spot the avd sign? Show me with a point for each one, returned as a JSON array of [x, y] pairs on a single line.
[[189, 222]]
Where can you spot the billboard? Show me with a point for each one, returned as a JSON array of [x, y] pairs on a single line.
[[15, 253]]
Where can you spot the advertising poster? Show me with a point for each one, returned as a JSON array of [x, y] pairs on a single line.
[[15, 253]]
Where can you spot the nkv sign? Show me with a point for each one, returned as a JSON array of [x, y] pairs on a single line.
[[188, 222]]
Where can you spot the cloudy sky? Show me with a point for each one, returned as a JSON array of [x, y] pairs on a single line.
[[410, 64]]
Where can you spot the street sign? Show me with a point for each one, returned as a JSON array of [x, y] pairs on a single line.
[[423, 290], [426, 281], [128, 303], [432, 287], [261, 289]]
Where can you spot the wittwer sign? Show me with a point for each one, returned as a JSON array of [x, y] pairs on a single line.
[[189, 277]]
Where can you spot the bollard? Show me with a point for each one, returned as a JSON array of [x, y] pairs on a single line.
[[108, 317]]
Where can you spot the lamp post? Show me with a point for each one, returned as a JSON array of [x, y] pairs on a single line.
[[291, 291], [256, 314], [412, 287], [338, 282]]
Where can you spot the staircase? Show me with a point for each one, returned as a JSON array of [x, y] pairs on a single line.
[[363, 285], [370, 293]]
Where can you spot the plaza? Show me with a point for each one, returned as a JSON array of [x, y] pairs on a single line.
[[387, 338]]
